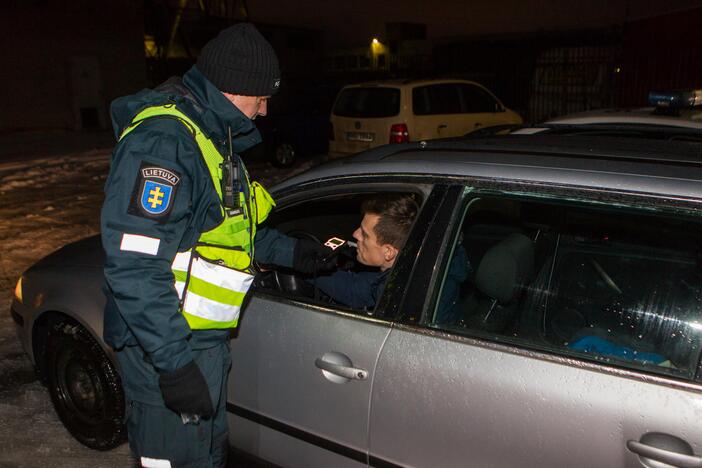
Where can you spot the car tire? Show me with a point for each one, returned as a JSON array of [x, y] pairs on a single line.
[[85, 387], [284, 154]]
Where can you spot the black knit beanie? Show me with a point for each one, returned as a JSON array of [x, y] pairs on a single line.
[[241, 61]]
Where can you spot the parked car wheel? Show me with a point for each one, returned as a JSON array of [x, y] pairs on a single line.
[[85, 387], [284, 154]]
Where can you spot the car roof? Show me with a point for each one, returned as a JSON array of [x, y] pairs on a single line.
[[615, 164], [686, 118]]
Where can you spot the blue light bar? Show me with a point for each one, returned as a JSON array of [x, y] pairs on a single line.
[[676, 99]]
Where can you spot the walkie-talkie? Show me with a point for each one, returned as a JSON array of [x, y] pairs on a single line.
[[230, 181]]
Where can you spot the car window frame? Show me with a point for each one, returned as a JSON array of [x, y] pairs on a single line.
[[428, 273], [387, 306], [427, 89], [465, 88]]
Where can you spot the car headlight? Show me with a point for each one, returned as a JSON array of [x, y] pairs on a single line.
[[18, 290]]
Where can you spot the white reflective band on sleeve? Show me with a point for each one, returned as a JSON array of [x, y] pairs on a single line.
[[155, 463], [141, 244], [227, 278], [207, 309], [181, 261]]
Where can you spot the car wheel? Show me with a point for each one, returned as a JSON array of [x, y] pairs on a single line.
[[85, 387], [284, 154]]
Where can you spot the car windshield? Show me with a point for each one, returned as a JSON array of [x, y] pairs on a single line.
[[368, 102]]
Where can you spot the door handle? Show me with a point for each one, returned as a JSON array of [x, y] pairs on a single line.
[[664, 456], [346, 372], [442, 126]]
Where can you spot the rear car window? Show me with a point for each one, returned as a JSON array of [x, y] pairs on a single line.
[[622, 287], [368, 102]]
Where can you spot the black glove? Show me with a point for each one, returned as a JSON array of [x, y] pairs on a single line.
[[185, 391], [311, 257]]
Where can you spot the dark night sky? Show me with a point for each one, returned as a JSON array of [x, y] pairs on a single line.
[[354, 22]]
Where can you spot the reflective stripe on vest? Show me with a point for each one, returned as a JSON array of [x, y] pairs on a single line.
[[213, 283]]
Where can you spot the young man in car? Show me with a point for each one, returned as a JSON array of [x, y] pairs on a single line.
[[387, 219], [179, 227]]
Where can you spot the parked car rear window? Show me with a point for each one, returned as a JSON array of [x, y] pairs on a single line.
[[368, 102]]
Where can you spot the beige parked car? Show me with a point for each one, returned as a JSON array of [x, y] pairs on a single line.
[[367, 115]]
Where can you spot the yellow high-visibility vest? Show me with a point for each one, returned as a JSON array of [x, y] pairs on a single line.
[[213, 278]]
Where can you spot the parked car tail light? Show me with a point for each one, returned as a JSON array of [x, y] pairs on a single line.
[[399, 133], [331, 131]]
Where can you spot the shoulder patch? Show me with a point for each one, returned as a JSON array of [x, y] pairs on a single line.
[[154, 192]]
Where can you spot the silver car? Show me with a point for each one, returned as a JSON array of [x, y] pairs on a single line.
[[573, 341]]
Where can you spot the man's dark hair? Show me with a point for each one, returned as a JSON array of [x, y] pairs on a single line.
[[396, 211]]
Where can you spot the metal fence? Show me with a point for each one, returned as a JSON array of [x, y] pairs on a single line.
[[573, 79]]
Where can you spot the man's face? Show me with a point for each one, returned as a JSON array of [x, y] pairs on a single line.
[[369, 251], [250, 106]]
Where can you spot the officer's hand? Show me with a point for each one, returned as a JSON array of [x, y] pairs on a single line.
[[185, 391], [310, 257]]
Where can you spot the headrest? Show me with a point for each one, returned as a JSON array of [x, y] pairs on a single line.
[[505, 267]]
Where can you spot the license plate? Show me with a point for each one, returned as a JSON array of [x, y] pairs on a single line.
[[360, 136]]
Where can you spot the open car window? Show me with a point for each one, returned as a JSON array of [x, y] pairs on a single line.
[[325, 218], [613, 285]]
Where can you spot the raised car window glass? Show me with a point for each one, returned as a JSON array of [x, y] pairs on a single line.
[[477, 100], [436, 99], [368, 102], [611, 285]]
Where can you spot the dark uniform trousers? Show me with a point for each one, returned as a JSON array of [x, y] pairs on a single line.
[[156, 433]]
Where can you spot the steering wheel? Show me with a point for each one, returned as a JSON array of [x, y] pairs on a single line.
[[289, 281], [302, 234]]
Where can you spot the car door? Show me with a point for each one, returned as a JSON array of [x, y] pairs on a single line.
[[576, 344], [303, 368]]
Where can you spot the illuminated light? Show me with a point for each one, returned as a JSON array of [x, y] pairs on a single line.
[[150, 47], [18, 290], [399, 133], [695, 325], [618, 70], [375, 41], [676, 99]]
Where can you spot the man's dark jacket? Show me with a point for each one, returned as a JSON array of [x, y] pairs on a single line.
[[142, 303]]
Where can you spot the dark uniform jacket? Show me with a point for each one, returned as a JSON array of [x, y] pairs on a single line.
[[142, 303]]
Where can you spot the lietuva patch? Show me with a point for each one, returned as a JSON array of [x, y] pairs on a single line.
[[154, 191]]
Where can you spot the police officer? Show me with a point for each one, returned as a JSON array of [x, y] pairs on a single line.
[[180, 231]]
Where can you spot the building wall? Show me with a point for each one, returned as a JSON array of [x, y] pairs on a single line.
[[63, 61]]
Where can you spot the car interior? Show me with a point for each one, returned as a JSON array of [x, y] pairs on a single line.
[[321, 219], [610, 285]]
